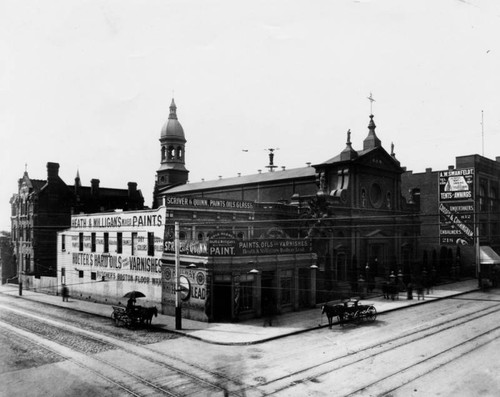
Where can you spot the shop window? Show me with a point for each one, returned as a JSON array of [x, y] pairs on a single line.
[[92, 242], [80, 241], [106, 242], [93, 276], [119, 242], [151, 244], [246, 295], [80, 273], [134, 243], [286, 288], [182, 235]]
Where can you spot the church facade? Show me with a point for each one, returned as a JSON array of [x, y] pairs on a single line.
[[346, 214]]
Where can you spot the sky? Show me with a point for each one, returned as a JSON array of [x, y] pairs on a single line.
[[88, 84]]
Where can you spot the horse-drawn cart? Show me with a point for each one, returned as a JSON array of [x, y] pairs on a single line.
[[132, 318], [349, 310]]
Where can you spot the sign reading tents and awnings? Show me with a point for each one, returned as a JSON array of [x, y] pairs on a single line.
[[456, 185], [456, 207]]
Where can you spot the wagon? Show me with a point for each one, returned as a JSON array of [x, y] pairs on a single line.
[[354, 311], [121, 317], [349, 310], [139, 316]]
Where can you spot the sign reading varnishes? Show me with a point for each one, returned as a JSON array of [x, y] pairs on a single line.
[[456, 207]]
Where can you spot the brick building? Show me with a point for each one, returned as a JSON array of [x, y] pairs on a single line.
[[40, 208], [451, 227]]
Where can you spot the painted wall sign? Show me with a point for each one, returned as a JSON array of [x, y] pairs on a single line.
[[228, 247], [192, 283], [456, 223], [456, 207], [176, 201], [119, 220], [456, 185]]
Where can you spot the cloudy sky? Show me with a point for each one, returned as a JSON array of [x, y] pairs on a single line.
[[88, 83]]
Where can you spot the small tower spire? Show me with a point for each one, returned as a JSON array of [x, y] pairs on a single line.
[[371, 141], [173, 111]]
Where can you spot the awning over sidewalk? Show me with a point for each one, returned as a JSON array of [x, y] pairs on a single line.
[[488, 256]]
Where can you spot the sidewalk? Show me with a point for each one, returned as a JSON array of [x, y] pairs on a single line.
[[251, 331]]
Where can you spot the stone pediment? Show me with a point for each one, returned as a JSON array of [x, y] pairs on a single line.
[[379, 158]]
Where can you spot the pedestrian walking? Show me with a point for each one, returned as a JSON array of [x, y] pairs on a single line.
[[65, 293]]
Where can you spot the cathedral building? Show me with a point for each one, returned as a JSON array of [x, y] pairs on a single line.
[[345, 217]]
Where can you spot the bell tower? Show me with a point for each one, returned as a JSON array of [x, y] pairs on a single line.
[[172, 169]]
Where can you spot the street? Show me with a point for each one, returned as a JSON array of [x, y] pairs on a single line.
[[447, 347]]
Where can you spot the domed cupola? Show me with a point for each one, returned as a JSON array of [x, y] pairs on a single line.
[[172, 169], [172, 128]]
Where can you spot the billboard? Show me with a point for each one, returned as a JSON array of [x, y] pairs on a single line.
[[456, 185], [456, 207]]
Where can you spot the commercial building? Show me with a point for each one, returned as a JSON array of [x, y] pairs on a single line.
[[459, 208], [40, 208], [103, 256]]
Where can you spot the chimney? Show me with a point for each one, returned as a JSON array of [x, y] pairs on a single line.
[[132, 189], [52, 172], [94, 187]]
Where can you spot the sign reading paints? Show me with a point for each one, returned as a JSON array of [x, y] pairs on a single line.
[[120, 220]]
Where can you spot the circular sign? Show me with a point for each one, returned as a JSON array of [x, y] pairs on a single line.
[[200, 278], [185, 287]]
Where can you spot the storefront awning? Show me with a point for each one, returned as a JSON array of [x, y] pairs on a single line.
[[488, 256]]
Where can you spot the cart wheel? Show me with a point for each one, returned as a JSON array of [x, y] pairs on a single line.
[[371, 313]]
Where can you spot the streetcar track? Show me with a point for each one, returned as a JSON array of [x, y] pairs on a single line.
[[381, 346], [139, 351], [427, 359], [67, 357], [222, 379]]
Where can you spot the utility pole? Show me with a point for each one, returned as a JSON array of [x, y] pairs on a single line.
[[482, 130], [178, 312]]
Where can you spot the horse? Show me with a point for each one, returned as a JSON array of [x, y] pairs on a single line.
[[147, 314], [333, 311]]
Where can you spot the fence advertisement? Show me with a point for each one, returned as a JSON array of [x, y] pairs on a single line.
[[456, 207]]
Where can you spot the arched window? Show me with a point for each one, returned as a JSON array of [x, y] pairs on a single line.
[[163, 153], [179, 153], [171, 153]]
